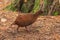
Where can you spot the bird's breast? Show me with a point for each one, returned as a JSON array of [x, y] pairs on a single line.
[[25, 20]]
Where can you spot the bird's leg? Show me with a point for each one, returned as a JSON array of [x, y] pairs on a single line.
[[26, 28], [17, 29]]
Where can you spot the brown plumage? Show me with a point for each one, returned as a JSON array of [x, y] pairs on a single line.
[[24, 20]]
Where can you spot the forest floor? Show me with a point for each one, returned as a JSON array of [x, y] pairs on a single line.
[[44, 28]]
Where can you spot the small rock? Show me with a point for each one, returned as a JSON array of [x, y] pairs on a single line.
[[3, 19]]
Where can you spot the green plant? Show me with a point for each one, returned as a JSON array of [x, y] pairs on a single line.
[[36, 6], [11, 6], [55, 13]]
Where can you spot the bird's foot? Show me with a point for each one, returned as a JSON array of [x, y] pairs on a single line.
[[28, 31]]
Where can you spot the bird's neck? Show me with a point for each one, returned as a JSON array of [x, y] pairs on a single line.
[[38, 13]]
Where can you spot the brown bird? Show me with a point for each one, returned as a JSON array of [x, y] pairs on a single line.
[[25, 20]]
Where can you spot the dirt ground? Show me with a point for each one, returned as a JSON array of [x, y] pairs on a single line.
[[45, 28]]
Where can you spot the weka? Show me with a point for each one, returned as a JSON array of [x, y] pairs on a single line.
[[24, 20]]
